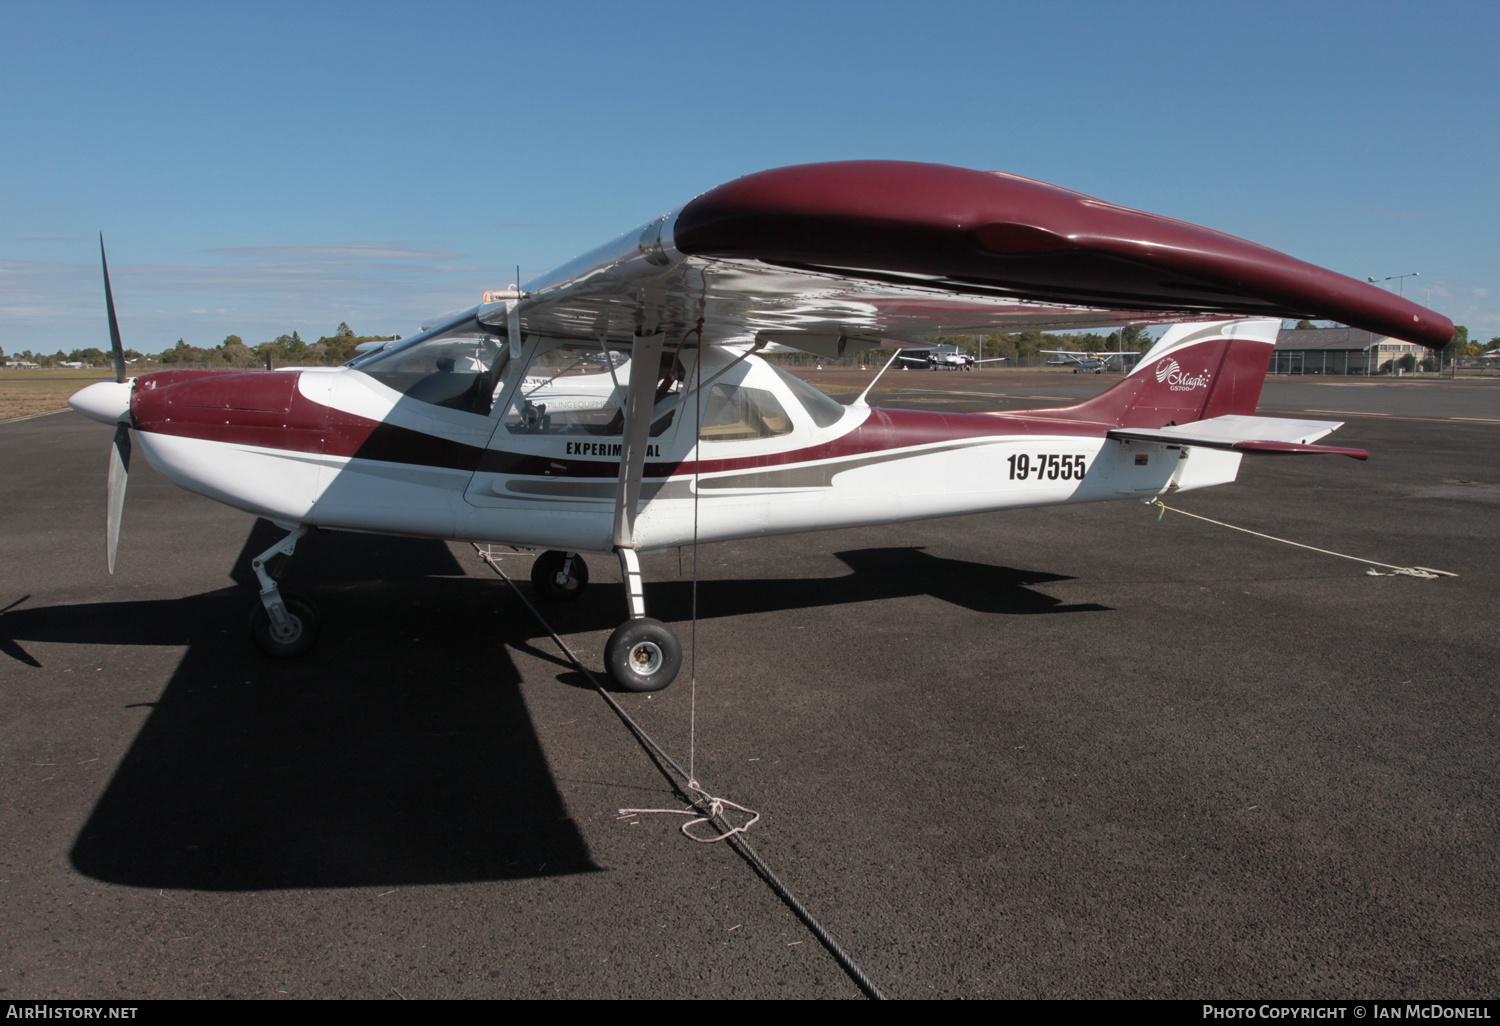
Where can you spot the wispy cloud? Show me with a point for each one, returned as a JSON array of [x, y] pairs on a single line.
[[1466, 302]]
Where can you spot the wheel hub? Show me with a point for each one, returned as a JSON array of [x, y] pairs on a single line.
[[645, 658]]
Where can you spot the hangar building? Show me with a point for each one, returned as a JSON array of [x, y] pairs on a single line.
[[1337, 351]]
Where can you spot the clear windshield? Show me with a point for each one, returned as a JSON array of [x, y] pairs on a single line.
[[458, 372]]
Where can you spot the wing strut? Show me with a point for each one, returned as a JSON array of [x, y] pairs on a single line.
[[645, 362]]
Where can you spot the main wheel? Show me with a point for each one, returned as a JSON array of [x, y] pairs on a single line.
[[304, 619], [548, 565], [643, 655]]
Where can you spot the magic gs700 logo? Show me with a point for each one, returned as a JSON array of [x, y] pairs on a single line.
[[1171, 375]]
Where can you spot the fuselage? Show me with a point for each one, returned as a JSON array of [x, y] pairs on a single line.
[[750, 452]]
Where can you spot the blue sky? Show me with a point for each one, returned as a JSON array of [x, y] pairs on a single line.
[[261, 168]]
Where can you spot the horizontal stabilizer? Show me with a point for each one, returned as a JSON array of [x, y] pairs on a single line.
[[1245, 434]]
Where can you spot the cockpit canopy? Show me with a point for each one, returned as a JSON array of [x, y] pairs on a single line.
[[578, 388]]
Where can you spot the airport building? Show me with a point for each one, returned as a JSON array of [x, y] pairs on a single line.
[[1338, 351]]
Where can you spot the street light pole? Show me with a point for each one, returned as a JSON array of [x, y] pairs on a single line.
[[1400, 291], [1400, 281]]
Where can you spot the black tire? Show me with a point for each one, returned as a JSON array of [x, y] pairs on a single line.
[[303, 614], [544, 571], [643, 655]]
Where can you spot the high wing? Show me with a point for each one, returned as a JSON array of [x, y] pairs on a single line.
[[829, 257]]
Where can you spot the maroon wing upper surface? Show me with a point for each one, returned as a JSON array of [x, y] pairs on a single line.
[[992, 234]]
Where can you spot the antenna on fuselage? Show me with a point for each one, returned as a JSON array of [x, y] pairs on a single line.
[[860, 399]]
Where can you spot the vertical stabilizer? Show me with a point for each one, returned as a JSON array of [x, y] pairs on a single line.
[[1194, 372]]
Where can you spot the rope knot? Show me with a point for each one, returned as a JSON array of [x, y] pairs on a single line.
[[705, 809]]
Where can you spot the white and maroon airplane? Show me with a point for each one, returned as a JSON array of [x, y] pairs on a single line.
[[620, 404]]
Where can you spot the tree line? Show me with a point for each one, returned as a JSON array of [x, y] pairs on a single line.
[[332, 350], [284, 350]]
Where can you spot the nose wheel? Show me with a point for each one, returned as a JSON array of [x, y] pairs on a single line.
[[297, 635]]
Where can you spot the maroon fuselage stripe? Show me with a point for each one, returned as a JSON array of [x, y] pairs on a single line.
[[268, 411]]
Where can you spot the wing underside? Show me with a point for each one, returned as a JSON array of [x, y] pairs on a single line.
[[828, 258]]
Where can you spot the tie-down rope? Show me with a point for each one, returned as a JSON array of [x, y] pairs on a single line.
[[1423, 572], [705, 808]]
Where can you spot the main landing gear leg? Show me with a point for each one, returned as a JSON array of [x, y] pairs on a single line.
[[281, 625], [642, 654]]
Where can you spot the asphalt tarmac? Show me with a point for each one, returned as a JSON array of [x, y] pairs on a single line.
[[1052, 753]]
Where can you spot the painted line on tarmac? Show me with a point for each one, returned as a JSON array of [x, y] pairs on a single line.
[[1387, 416], [33, 416], [1353, 413]]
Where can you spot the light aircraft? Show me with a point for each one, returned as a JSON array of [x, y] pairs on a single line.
[[1098, 363], [621, 404], [947, 357]]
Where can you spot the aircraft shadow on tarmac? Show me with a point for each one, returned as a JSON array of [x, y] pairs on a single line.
[[400, 750], [877, 575]]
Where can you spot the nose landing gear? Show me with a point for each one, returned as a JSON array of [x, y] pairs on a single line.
[[281, 626]]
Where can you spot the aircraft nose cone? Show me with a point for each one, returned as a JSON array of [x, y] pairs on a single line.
[[105, 401]]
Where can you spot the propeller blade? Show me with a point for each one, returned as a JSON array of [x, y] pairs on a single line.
[[119, 476], [114, 338]]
